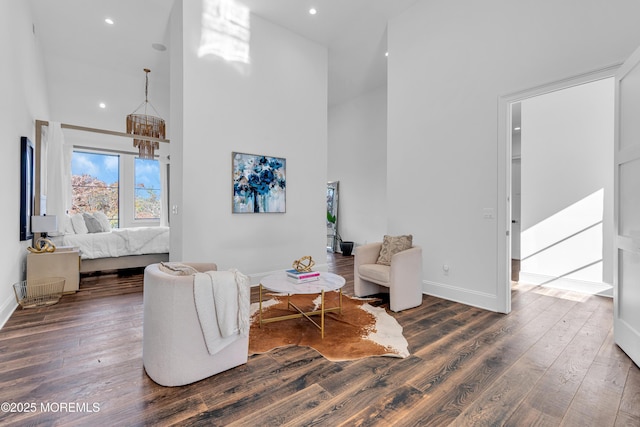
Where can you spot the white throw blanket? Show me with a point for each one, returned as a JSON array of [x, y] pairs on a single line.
[[222, 304]]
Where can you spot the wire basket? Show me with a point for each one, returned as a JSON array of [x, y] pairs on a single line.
[[39, 292]]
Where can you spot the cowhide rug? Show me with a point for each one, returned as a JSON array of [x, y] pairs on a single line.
[[362, 330]]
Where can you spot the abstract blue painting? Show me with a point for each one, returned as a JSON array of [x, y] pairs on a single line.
[[259, 183]]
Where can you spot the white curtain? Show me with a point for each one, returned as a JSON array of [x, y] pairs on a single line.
[[58, 173]]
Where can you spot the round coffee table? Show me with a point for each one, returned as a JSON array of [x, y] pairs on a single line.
[[278, 282]]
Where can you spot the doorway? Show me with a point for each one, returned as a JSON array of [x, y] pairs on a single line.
[[516, 190], [561, 187]]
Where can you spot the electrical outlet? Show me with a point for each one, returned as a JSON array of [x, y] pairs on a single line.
[[488, 213]]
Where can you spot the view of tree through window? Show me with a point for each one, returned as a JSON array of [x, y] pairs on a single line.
[[95, 183], [147, 189]]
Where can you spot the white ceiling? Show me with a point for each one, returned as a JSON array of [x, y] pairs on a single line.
[[76, 42], [354, 31]]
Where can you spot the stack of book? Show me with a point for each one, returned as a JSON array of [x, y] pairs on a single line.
[[296, 276]]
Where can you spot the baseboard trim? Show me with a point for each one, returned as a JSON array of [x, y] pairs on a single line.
[[464, 296], [7, 309]]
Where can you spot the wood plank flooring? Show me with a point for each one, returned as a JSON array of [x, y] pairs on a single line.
[[551, 362]]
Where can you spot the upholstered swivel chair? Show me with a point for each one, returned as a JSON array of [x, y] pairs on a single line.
[[174, 349], [401, 279]]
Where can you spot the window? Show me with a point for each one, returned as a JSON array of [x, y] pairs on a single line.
[[95, 184], [147, 201], [127, 189]]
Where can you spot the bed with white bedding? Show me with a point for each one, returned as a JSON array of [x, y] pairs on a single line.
[[118, 248], [118, 242]]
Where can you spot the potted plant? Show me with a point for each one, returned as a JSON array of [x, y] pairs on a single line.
[[346, 247]]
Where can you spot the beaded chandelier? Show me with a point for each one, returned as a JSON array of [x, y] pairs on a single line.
[[146, 125]]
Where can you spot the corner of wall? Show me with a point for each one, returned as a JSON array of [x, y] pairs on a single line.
[[7, 309]]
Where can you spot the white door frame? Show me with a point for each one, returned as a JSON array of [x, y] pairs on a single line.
[[626, 327], [504, 171]]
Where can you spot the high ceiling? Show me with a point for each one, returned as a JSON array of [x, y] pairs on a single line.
[[76, 42], [354, 31]]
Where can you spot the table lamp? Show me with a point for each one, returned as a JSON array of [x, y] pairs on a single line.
[[43, 224]]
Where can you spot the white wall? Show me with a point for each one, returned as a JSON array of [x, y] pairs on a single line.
[[277, 106], [448, 65], [177, 129], [567, 184], [23, 100], [358, 159]]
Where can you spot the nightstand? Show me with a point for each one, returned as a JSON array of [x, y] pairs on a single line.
[[61, 263]]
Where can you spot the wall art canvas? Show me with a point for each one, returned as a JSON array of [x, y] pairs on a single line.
[[259, 183]]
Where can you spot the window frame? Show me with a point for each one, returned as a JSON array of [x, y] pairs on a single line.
[[159, 189], [126, 189]]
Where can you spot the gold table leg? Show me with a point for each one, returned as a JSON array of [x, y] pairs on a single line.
[[260, 310], [302, 313], [322, 314]]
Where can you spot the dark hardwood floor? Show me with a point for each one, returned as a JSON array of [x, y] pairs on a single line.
[[552, 361]]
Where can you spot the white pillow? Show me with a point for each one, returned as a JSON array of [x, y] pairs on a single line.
[[65, 226], [78, 224], [103, 220], [92, 223]]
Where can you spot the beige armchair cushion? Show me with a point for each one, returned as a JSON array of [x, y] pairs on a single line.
[[375, 272]]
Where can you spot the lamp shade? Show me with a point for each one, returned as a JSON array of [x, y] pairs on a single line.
[[44, 223]]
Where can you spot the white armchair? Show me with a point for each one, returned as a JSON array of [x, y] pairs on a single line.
[[401, 280], [174, 350]]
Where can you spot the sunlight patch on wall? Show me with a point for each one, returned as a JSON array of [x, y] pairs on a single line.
[[568, 244], [225, 31]]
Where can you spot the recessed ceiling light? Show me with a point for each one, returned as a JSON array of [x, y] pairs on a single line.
[[313, 11], [109, 21], [516, 128], [102, 105], [386, 54], [159, 47]]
